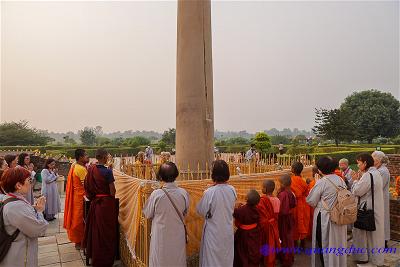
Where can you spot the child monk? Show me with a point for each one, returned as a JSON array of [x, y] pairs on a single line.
[[286, 221], [268, 209], [247, 236], [302, 211]]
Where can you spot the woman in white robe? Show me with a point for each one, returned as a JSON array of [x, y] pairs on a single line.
[[362, 189], [325, 233], [50, 190], [168, 240], [22, 215], [217, 206], [380, 161]]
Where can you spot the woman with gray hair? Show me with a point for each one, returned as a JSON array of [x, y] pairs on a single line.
[[380, 161]]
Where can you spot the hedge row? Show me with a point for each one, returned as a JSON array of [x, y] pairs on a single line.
[[69, 151], [351, 155]]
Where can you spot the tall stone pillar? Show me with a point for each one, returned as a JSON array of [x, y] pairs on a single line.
[[194, 87]]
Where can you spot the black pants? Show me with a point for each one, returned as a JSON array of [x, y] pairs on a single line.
[[319, 239]]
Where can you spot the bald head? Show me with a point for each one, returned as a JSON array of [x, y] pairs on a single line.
[[253, 197], [268, 187], [285, 180]]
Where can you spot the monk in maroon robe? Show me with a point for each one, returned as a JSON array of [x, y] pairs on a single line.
[[286, 221], [100, 238], [269, 223], [248, 235]]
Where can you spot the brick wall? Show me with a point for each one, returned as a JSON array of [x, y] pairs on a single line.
[[394, 168], [395, 219], [394, 165]]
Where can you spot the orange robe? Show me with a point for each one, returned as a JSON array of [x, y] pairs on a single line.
[[74, 197], [339, 173], [269, 231], [302, 211]]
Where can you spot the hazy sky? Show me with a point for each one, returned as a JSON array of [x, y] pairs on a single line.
[[66, 65]]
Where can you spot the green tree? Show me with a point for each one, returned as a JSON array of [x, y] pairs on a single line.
[[373, 114], [20, 134], [102, 141], [396, 140], [162, 145], [137, 141], [169, 137], [68, 140], [280, 139], [117, 141], [220, 142], [238, 141], [262, 142], [87, 136], [332, 124]]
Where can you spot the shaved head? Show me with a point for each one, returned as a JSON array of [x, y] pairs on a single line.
[[268, 186], [253, 197], [285, 180]]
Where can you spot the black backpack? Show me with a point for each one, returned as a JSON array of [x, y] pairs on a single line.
[[5, 239]]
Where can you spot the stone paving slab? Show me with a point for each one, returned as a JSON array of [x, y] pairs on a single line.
[[48, 248], [47, 240], [77, 263], [53, 265], [62, 238], [49, 254], [46, 260], [67, 248], [71, 256]]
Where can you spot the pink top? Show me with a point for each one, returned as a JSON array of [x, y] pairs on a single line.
[[276, 203]]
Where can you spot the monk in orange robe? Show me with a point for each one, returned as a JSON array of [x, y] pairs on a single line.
[[302, 211], [268, 208], [74, 197]]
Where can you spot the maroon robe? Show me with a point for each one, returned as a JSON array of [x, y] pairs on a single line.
[[247, 242], [286, 226], [100, 238], [269, 231]]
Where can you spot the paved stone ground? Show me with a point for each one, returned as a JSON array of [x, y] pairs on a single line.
[[55, 250]]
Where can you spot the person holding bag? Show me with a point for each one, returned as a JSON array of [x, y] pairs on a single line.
[[167, 207], [21, 221], [368, 231]]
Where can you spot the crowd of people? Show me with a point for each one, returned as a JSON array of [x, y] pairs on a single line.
[[25, 218], [268, 227], [274, 227]]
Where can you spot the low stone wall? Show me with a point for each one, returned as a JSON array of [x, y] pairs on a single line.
[[394, 169], [395, 219], [62, 166], [394, 165]]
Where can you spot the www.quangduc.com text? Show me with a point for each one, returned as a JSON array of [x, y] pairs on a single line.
[[339, 251]]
